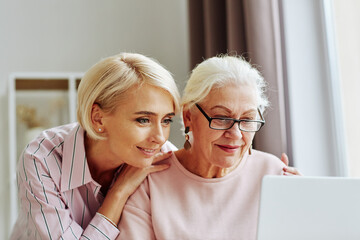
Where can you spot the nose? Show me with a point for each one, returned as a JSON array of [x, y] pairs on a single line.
[[157, 134], [234, 132]]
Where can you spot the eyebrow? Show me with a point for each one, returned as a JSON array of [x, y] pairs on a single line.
[[152, 113], [229, 111], [222, 107]]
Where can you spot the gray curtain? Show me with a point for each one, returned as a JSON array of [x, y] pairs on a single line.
[[252, 29]]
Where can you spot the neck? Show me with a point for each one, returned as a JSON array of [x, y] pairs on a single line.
[[100, 162], [200, 166]]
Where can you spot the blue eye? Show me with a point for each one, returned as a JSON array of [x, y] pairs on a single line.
[[142, 120], [167, 121]]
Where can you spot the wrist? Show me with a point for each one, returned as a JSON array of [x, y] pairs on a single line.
[[113, 205], [120, 192], [108, 219]]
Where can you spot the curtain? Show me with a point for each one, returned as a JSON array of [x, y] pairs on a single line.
[[252, 29]]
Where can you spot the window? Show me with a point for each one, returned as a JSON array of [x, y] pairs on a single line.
[[347, 37]]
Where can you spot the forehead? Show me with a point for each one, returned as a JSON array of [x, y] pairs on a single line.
[[147, 97], [233, 96]]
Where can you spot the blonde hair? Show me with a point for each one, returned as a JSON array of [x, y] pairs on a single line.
[[219, 71], [106, 82]]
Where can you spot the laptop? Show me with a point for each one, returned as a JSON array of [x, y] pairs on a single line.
[[307, 208]]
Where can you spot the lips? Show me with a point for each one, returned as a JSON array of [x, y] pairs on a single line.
[[229, 148], [148, 151]]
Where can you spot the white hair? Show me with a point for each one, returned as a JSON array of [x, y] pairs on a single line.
[[219, 71]]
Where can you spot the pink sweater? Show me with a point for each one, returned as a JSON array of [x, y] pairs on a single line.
[[176, 204]]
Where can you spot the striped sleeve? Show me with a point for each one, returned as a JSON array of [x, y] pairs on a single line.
[[100, 228], [49, 217]]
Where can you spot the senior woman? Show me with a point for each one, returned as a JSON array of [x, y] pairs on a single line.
[[75, 179], [211, 190]]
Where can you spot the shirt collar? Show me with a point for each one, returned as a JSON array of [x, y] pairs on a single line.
[[75, 169]]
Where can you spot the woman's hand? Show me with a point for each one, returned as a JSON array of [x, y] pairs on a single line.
[[127, 182], [289, 171], [130, 177]]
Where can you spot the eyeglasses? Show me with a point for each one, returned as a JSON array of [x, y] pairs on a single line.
[[245, 125]]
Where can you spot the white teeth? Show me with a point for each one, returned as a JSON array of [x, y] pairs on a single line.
[[148, 150]]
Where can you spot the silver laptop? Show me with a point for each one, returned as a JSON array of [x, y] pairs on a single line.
[[309, 208]]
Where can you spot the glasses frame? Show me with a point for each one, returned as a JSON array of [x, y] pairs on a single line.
[[262, 121]]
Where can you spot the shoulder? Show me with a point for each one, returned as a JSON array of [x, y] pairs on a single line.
[[50, 138], [265, 161], [48, 143], [42, 158], [263, 156], [169, 173]]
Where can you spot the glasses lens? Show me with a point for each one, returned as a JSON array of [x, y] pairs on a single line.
[[250, 126], [219, 123]]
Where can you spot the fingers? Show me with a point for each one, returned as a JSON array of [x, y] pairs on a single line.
[[162, 156], [131, 177], [291, 171], [157, 168], [285, 159]]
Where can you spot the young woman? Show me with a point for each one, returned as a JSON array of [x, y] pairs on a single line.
[[75, 179]]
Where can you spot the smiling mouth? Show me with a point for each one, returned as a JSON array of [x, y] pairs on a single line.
[[148, 151]]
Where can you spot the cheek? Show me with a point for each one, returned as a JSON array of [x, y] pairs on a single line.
[[166, 132], [126, 135], [207, 137], [203, 134], [122, 139], [248, 138]]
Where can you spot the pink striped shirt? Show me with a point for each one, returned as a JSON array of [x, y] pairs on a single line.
[[58, 196]]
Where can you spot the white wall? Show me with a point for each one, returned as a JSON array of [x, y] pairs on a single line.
[[67, 35]]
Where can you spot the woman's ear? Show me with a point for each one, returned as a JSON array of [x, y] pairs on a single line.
[[97, 116], [186, 116]]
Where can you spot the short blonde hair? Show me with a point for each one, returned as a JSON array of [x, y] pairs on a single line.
[[219, 71], [106, 82]]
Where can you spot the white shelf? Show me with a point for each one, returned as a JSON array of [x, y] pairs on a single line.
[[33, 85]]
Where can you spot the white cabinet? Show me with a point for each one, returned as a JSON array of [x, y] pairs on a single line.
[[37, 101]]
